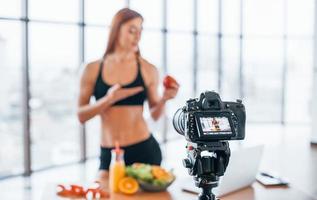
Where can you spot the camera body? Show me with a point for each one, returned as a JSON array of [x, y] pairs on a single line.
[[209, 119], [207, 123]]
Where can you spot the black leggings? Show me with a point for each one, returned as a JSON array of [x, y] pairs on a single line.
[[147, 151]]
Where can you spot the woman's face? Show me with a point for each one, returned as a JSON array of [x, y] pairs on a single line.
[[130, 34]]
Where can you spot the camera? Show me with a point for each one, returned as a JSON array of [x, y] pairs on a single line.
[[210, 119], [207, 124]]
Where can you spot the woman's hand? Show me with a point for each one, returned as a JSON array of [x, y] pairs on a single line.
[[170, 92], [117, 93]]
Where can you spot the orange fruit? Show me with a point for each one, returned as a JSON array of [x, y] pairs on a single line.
[[159, 172], [128, 185]]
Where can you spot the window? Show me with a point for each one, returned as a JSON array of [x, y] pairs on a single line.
[[151, 47], [300, 17], [95, 43], [299, 80], [151, 11], [57, 10], [101, 11], [263, 64], [231, 14], [208, 16], [180, 66], [54, 82], [180, 15], [11, 131], [263, 17], [231, 68], [207, 63], [10, 8]]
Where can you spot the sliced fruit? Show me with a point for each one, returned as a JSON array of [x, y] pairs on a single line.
[[128, 185], [162, 175], [61, 190], [158, 172], [77, 190], [70, 190], [96, 193]]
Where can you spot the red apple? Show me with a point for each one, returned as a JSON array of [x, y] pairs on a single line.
[[169, 81]]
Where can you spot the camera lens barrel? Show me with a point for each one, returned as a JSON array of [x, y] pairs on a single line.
[[179, 121]]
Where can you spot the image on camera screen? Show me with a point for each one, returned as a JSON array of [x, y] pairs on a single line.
[[215, 125]]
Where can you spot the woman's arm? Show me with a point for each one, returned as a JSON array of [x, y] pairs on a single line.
[[157, 107], [157, 103], [87, 111]]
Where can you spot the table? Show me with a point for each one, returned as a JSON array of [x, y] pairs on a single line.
[[254, 192]]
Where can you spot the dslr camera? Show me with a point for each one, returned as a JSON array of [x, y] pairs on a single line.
[[207, 124], [210, 119]]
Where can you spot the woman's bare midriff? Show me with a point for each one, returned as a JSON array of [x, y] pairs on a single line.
[[124, 124]]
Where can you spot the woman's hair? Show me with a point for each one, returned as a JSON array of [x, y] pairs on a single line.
[[121, 17]]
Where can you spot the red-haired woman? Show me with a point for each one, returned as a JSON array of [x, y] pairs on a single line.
[[121, 81]]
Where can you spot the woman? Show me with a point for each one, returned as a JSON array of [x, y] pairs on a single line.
[[121, 82]]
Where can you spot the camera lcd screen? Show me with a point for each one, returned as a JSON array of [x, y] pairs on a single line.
[[215, 126]]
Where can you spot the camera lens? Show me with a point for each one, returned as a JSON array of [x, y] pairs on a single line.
[[179, 121]]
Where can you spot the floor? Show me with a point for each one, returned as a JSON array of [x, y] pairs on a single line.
[[288, 152]]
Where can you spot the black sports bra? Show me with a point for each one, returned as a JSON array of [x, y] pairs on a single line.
[[101, 88]]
